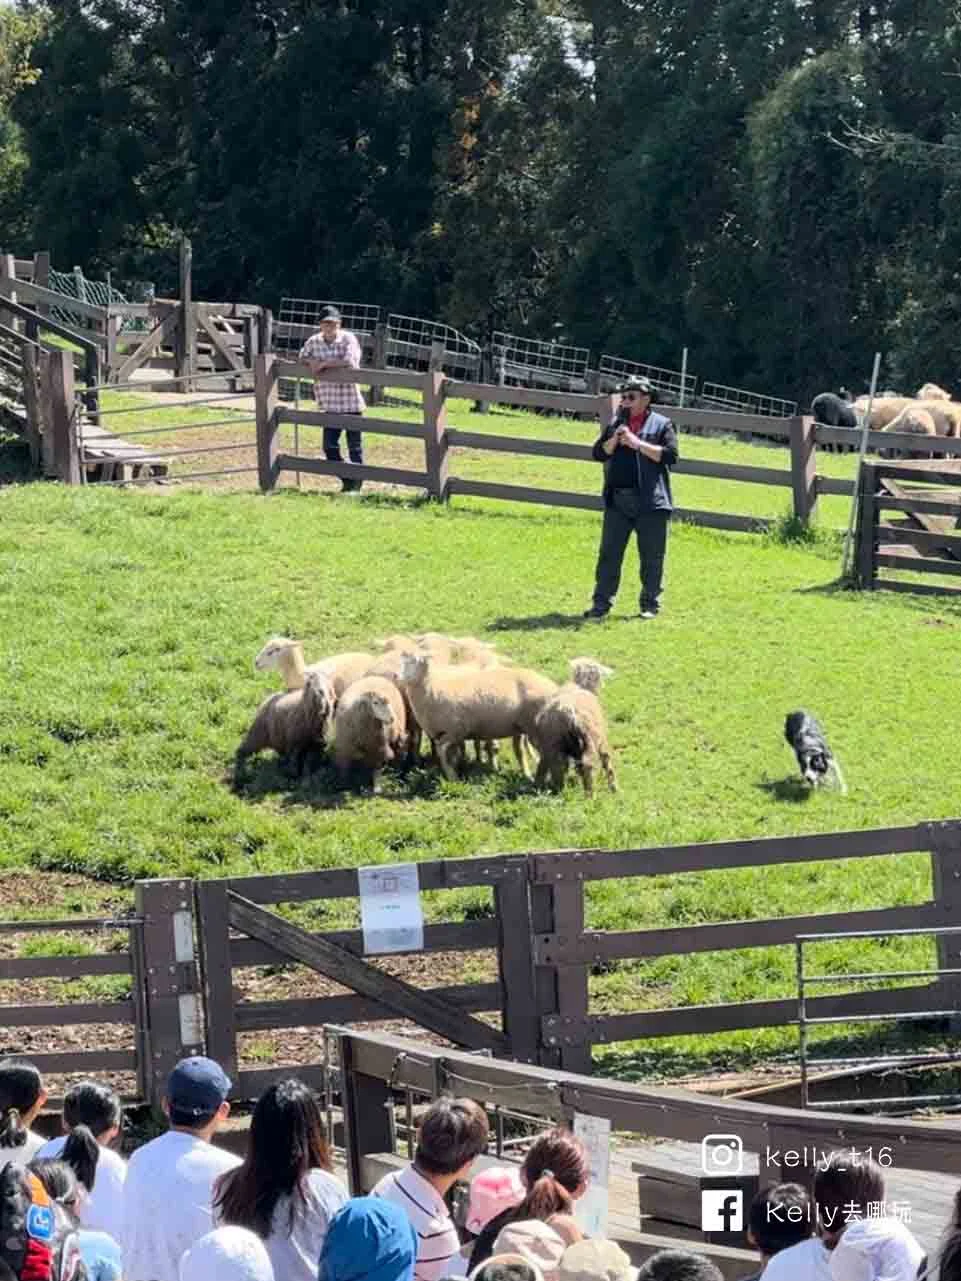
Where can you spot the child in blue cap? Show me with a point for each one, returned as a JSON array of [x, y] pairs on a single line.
[[368, 1240]]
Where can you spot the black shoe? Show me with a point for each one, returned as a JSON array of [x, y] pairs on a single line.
[[594, 614]]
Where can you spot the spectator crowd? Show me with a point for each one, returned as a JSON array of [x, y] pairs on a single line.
[[186, 1209]]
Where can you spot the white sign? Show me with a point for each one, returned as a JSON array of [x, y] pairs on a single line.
[[591, 1210], [390, 910]]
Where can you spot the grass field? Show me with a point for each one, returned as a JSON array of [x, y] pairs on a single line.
[[130, 619]]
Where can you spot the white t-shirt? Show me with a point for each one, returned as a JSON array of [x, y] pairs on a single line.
[[102, 1209], [879, 1249], [23, 1155], [809, 1260], [167, 1203], [437, 1240], [294, 1252]]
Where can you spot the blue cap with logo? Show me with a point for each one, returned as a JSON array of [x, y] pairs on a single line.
[[197, 1086]]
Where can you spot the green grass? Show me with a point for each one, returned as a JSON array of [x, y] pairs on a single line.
[[130, 620]]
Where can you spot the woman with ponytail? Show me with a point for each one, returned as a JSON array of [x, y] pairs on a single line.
[[21, 1098], [555, 1174], [91, 1120], [100, 1252]]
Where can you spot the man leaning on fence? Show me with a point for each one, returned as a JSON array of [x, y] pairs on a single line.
[[334, 347], [637, 448]]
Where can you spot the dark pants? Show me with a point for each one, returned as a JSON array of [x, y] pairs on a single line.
[[355, 450], [623, 516]]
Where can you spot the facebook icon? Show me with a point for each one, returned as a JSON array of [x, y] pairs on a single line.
[[722, 1210]]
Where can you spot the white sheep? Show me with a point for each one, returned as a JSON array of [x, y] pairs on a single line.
[[883, 409], [287, 656], [572, 726], [455, 704], [290, 724], [370, 727], [931, 391], [388, 666], [915, 420]]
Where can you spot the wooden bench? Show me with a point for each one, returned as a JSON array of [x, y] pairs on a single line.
[[116, 459]]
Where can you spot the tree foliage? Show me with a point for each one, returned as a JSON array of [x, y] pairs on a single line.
[[773, 185]]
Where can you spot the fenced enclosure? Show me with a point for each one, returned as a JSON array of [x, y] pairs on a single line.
[[737, 400], [412, 343], [531, 362], [298, 318]]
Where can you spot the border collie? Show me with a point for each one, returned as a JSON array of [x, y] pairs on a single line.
[[814, 757]]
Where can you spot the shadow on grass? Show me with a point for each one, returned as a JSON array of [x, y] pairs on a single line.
[[786, 789], [539, 622]]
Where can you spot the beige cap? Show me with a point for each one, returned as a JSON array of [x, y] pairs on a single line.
[[596, 1261], [535, 1241]]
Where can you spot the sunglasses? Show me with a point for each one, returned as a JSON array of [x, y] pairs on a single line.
[[630, 395]]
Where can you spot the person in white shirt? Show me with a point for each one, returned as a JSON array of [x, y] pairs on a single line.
[[284, 1190], [168, 1195], [94, 1108], [227, 1254], [452, 1133], [22, 1097]]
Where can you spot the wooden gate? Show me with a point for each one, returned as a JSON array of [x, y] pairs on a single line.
[[921, 536]]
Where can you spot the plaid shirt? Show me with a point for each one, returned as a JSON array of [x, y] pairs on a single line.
[[335, 398]]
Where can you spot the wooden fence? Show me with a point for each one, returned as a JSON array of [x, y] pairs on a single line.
[[922, 536]]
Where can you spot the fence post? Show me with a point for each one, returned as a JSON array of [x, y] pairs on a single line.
[[62, 422], [435, 435], [378, 395], [80, 284], [187, 329], [865, 563], [562, 990], [265, 330], [174, 1013], [484, 375], [41, 272], [8, 271], [519, 1005], [31, 400], [265, 400], [368, 1115], [945, 845], [111, 356], [92, 375], [803, 467], [213, 933], [45, 412]]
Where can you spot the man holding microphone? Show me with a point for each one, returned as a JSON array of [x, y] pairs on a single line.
[[637, 448]]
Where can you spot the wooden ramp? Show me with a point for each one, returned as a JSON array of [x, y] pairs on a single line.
[[117, 459]]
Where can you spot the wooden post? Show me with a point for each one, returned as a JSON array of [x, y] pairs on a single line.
[[45, 412], [174, 1013], [435, 436], [112, 357], [519, 1006], [8, 271], [31, 401], [80, 283], [378, 395], [865, 563], [187, 336], [62, 424], [945, 839], [803, 467], [41, 269], [572, 983], [265, 398], [485, 376], [592, 381], [265, 327], [545, 976], [213, 919], [368, 1116]]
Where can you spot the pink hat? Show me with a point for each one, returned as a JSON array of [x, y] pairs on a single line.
[[492, 1191]]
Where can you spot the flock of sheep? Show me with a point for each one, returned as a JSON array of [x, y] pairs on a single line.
[[931, 412], [377, 708]]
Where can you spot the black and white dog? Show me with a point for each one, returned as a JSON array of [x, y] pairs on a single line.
[[815, 759]]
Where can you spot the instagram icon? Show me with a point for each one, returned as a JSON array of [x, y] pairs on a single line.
[[722, 1154]]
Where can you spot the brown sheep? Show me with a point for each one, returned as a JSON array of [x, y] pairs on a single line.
[[370, 727], [290, 724], [915, 420], [572, 727]]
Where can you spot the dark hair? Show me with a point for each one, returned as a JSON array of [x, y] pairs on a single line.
[[679, 1265], [555, 1167], [780, 1216], [451, 1134], [845, 1178], [188, 1120], [287, 1141], [94, 1105], [59, 1181], [497, 1270], [82, 1152], [20, 1087]]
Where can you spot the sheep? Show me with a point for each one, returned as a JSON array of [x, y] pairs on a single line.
[[454, 704], [834, 411], [290, 724], [915, 420], [945, 413], [288, 657], [571, 726], [388, 668], [883, 409], [931, 391], [370, 727]]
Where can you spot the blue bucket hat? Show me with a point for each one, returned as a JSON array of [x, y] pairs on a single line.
[[369, 1239]]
